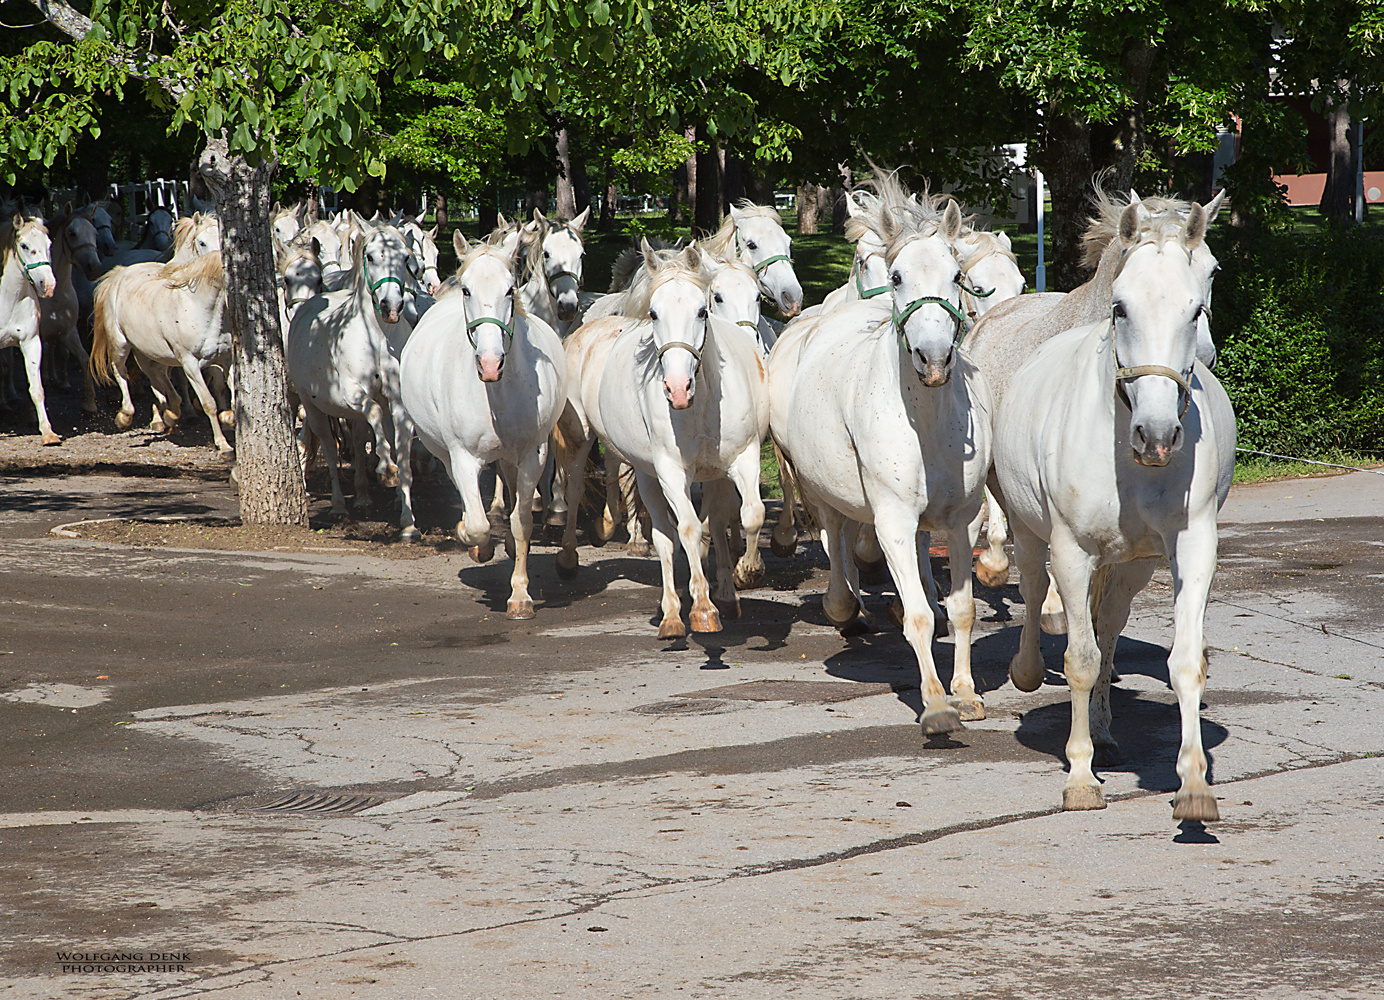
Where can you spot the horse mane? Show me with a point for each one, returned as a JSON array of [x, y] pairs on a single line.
[[294, 252], [531, 244], [286, 210], [207, 267], [1162, 220], [184, 229], [629, 260], [718, 244], [985, 243], [897, 215], [672, 268]]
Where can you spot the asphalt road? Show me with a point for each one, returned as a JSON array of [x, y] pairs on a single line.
[[567, 806]]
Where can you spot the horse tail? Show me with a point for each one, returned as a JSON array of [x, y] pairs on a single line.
[[103, 315]]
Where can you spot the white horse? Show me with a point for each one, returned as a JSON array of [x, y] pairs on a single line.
[[754, 234], [26, 280], [422, 243], [485, 383], [286, 222], [1115, 447], [888, 424], [168, 315], [341, 365], [328, 246], [552, 269], [74, 247], [682, 399]]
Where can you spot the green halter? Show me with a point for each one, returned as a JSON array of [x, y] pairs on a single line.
[[764, 264], [481, 321], [902, 317], [867, 293], [34, 267]]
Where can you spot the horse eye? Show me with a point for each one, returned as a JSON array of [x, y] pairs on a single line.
[[1118, 310], [546, 255], [751, 245], [701, 313], [1215, 270], [896, 278], [957, 279], [718, 298], [653, 315], [466, 291], [510, 292]]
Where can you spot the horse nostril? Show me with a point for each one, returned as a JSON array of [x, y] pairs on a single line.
[[1177, 436], [1139, 439]]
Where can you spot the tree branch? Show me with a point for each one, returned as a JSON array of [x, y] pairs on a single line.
[[77, 26]]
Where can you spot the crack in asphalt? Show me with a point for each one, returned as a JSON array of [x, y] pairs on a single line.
[[209, 985], [1294, 666], [1317, 627]]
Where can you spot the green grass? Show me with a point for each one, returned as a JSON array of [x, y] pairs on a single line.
[[769, 486], [1258, 469]]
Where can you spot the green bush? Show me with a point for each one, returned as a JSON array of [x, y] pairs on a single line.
[[1299, 323]]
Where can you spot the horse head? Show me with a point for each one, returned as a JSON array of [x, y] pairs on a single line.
[[100, 219], [991, 270], [286, 224], [761, 242], [925, 290], [677, 310], [735, 297], [1158, 299], [34, 251], [80, 241], [486, 279], [160, 229], [561, 259], [868, 264], [385, 265]]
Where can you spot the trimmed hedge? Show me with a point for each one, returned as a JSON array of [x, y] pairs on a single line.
[[1299, 324]]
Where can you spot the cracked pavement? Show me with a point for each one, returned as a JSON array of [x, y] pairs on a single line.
[[568, 807]]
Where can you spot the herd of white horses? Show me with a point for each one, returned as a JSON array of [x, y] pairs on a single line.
[[926, 395]]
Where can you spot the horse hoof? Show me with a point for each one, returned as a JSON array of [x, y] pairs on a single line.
[[519, 610], [748, 579], [226, 454], [227, 418], [390, 477], [1026, 677], [841, 624], [123, 420], [784, 550], [989, 576], [50, 438], [671, 628], [1079, 797], [873, 573], [729, 609], [158, 427], [410, 534], [170, 417], [1054, 624], [941, 720], [482, 553], [639, 550], [970, 709], [705, 620], [1106, 754], [601, 532], [1196, 806], [566, 565], [556, 519]]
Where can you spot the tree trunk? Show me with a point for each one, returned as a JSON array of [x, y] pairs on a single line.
[[708, 211], [733, 181], [270, 472], [581, 187], [440, 211], [690, 166], [807, 209], [608, 203], [1338, 196], [488, 211], [1066, 164], [566, 195]]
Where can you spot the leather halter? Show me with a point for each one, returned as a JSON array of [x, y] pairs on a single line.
[[1123, 375]]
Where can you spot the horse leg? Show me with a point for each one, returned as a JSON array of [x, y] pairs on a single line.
[[719, 503], [1073, 568], [992, 569], [638, 545], [840, 602], [403, 453], [497, 500], [385, 470], [317, 422], [474, 527], [1026, 669], [72, 340], [661, 528], [193, 370], [744, 473], [510, 472], [32, 349], [896, 527], [360, 458], [1111, 612], [961, 613], [868, 556], [119, 356], [165, 408], [929, 583], [783, 541], [1054, 616], [219, 391], [525, 474], [604, 528], [672, 477], [572, 458], [1192, 558], [557, 499]]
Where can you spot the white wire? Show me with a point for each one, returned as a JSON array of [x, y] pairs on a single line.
[[1310, 461]]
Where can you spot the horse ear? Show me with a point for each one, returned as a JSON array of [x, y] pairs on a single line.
[[316, 247], [1213, 207], [736, 214], [951, 222], [510, 244], [432, 234], [579, 222], [459, 243], [1195, 229], [1129, 224], [1004, 238], [500, 222], [86, 198], [650, 258], [852, 209], [692, 258], [17, 221], [276, 209], [68, 209], [538, 216]]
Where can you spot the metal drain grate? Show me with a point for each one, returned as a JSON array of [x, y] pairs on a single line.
[[688, 706], [318, 804]]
